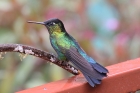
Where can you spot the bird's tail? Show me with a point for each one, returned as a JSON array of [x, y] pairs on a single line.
[[102, 71]]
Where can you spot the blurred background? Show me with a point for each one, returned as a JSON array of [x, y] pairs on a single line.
[[108, 30]]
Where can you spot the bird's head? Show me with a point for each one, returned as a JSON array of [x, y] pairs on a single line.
[[53, 25]]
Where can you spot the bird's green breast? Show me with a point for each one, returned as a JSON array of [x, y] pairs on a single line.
[[62, 40], [60, 43]]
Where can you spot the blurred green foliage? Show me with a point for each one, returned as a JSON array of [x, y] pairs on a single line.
[[108, 30]]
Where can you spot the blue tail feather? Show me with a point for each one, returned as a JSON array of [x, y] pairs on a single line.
[[101, 70], [89, 80], [92, 81]]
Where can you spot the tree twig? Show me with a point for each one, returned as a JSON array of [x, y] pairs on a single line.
[[38, 53]]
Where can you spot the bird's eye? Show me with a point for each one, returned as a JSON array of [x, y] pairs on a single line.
[[53, 23]]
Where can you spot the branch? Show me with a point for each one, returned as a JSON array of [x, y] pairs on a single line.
[[27, 50]]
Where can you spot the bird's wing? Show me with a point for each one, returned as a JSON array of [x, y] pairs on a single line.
[[79, 61]]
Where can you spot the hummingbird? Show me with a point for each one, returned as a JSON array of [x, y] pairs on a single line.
[[68, 49]]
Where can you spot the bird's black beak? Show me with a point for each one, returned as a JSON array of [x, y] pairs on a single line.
[[42, 23]]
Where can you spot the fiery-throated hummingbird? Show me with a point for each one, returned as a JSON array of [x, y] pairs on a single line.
[[68, 48]]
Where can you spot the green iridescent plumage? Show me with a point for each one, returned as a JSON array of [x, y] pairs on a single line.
[[67, 48]]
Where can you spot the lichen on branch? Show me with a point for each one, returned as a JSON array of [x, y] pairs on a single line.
[[28, 50]]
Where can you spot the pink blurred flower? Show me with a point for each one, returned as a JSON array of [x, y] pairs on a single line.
[[121, 39], [112, 24], [88, 34], [54, 13]]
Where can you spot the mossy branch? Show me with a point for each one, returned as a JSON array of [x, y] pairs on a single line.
[[38, 53]]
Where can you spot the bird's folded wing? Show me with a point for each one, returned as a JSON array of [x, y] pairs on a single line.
[[81, 63]]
